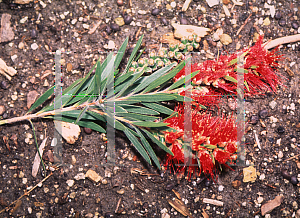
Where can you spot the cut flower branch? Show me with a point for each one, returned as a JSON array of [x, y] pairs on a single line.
[[134, 100]]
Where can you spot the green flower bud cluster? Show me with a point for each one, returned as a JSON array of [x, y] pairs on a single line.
[[164, 56]]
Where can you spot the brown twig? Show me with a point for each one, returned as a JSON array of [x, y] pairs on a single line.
[[281, 41], [291, 158], [138, 33], [118, 204], [26, 193], [246, 21]]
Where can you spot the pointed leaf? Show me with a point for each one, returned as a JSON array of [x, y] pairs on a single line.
[[137, 145], [159, 108], [139, 110], [181, 81], [165, 78], [133, 54], [41, 99], [150, 79], [149, 149], [231, 79], [137, 116], [153, 98], [159, 143], [149, 124]]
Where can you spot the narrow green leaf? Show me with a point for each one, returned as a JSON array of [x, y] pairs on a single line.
[[129, 83], [234, 61], [246, 84], [209, 146], [122, 78], [159, 143], [82, 112], [149, 124], [97, 83], [41, 99], [139, 110], [139, 55], [149, 149], [137, 116], [137, 145], [133, 54], [121, 53], [231, 79], [124, 102], [241, 70], [153, 98], [181, 81], [150, 79], [159, 108], [165, 78]]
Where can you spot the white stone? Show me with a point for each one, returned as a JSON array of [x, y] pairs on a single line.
[[24, 19], [212, 3], [280, 154], [70, 182], [221, 188], [110, 45], [34, 46], [62, 16], [273, 104], [86, 26], [173, 4], [42, 4], [14, 57], [74, 21]]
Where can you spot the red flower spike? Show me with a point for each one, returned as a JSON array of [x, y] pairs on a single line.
[[211, 135], [260, 73], [207, 165]]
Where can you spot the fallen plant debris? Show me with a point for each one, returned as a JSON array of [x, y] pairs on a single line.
[[270, 205]]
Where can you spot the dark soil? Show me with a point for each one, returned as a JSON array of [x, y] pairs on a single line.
[[51, 28]]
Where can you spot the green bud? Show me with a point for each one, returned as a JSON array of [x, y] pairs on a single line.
[[141, 62], [181, 46], [191, 39], [134, 64], [171, 54], [184, 40]]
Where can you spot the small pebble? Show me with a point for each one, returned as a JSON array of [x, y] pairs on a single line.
[[120, 2], [285, 174], [4, 84], [121, 191], [221, 188], [164, 21], [108, 215], [2, 110], [87, 130], [294, 180], [128, 19], [278, 15], [280, 130], [272, 105], [115, 27], [295, 25], [263, 114], [34, 46], [155, 11], [33, 34], [282, 22], [254, 119], [169, 186]]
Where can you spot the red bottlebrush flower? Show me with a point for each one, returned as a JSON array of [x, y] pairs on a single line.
[[221, 156], [260, 72], [207, 165], [211, 135]]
